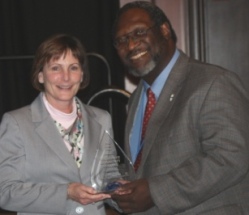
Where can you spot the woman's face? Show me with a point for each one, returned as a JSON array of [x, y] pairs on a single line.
[[61, 78]]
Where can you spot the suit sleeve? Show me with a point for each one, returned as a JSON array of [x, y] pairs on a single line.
[[221, 158]]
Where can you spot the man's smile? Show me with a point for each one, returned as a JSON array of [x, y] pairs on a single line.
[[135, 57]]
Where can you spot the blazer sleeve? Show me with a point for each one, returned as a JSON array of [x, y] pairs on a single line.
[[48, 198]]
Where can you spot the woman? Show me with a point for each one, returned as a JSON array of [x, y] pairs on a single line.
[[47, 149]]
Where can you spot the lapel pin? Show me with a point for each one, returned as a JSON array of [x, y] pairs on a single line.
[[171, 97]]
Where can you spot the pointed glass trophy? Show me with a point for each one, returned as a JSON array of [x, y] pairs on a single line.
[[107, 170]]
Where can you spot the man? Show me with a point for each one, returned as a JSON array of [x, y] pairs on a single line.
[[195, 152]]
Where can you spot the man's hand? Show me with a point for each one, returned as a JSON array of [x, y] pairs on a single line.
[[134, 196]]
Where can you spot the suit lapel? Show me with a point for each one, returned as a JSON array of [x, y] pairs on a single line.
[[163, 107], [132, 106]]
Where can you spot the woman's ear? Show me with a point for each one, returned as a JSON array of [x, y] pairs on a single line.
[[40, 78], [82, 76]]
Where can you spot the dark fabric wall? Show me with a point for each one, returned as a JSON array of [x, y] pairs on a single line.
[[24, 24]]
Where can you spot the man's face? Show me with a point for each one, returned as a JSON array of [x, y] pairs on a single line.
[[138, 42]]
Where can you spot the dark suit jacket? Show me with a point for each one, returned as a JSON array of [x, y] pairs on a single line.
[[36, 166], [196, 148]]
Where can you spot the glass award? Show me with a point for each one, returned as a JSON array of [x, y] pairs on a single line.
[[107, 170]]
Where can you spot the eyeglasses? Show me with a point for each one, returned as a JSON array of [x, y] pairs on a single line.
[[136, 35]]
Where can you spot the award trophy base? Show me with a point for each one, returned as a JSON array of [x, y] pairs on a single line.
[[107, 171]]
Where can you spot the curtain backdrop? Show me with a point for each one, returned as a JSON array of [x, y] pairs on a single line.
[[24, 24]]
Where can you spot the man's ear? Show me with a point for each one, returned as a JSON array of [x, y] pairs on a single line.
[[165, 30]]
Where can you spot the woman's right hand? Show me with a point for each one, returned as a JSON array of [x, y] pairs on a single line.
[[84, 194]]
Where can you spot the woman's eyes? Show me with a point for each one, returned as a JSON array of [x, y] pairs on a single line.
[[59, 68], [55, 68], [75, 68]]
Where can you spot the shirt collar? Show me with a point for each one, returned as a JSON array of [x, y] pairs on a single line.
[[159, 82]]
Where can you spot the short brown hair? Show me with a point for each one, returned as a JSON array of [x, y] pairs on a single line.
[[53, 48]]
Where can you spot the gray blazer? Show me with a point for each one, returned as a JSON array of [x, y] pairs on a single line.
[[196, 148], [36, 166]]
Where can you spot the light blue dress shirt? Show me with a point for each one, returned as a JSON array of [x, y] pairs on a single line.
[[156, 87]]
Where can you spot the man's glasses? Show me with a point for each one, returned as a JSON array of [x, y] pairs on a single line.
[[136, 35]]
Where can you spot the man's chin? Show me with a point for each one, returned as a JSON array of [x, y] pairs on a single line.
[[143, 71], [138, 73], [135, 73]]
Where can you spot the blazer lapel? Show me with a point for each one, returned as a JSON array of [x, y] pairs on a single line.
[[92, 131], [47, 130]]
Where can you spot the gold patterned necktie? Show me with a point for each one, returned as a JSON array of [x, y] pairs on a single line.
[[151, 102]]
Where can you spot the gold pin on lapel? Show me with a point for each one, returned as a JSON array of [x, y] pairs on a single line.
[[171, 97]]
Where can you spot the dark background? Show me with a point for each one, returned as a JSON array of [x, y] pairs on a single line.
[[24, 24]]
